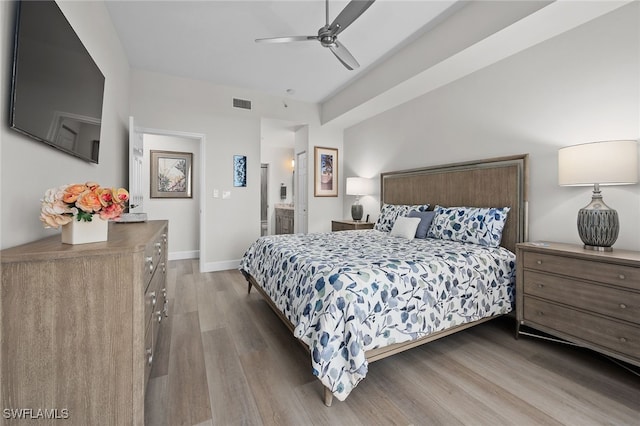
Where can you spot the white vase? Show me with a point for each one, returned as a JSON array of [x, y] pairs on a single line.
[[83, 232]]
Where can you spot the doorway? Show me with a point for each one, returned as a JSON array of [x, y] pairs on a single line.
[[185, 231], [277, 150]]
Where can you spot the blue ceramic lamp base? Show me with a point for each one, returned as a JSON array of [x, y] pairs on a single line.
[[598, 224], [356, 212]]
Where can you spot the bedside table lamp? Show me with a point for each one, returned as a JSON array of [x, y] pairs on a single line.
[[357, 186], [598, 163]]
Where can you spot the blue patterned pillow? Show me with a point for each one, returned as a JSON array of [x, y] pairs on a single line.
[[390, 212], [475, 225], [425, 222]]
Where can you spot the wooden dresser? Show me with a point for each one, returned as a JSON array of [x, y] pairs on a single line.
[[588, 298], [79, 324]]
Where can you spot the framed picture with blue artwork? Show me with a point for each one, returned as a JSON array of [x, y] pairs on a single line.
[[325, 179], [240, 170], [171, 174]]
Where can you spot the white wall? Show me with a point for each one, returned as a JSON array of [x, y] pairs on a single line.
[[323, 209], [30, 167], [177, 104], [183, 214], [578, 87]]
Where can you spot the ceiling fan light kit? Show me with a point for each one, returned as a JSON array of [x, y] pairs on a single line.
[[328, 34]]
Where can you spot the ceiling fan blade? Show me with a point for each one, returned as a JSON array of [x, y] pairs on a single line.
[[285, 39], [344, 56], [350, 13]]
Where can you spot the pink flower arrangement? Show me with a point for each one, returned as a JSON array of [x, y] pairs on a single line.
[[60, 205]]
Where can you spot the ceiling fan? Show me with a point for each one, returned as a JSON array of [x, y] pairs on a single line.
[[328, 34]]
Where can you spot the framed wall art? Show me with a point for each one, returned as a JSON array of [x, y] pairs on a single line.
[[171, 174], [239, 170], [325, 177]]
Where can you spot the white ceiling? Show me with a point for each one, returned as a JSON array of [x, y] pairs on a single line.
[[430, 43], [214, 40]]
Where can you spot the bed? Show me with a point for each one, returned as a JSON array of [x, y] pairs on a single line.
[[354, 297]]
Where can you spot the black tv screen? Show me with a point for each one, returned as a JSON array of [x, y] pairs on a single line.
[[57, 88]]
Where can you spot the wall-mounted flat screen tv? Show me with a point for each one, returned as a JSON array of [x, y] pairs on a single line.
[[57, 88]]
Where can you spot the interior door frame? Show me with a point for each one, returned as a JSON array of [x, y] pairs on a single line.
[[201, 137], [264, 182], [302, 183]]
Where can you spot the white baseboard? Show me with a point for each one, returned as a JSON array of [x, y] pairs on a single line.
[[179, 255], [219, 266]]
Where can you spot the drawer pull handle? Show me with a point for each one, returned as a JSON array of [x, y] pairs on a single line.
[[165, 309], [159, 316], [153, 298], [539, 262], [540, 285], [149, 355], [149, 260], [623, 340], [164, 267], [621, 276], [623, 306], [540, 313]]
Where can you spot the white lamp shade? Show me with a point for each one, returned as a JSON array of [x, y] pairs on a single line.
[[604, 163], [358, 186]]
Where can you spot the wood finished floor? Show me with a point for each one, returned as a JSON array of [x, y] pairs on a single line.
[[224, 358]]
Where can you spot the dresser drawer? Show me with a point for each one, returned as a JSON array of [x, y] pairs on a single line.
[[148, 351], [154, 296], [609, 301], [157, 316], [610, 273], [154, 254], [619, 337], [338, 225]]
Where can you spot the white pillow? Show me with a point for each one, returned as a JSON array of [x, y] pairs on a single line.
[[405, 227]]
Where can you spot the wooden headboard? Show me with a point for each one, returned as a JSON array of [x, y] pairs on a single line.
[[495, 182]]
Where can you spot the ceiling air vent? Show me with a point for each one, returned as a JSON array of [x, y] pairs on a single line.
[[241, 103]]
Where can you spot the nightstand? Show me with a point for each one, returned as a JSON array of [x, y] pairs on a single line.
[[588, 298], [349, 225]]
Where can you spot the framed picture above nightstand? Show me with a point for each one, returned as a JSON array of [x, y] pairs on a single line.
[[349, 225]]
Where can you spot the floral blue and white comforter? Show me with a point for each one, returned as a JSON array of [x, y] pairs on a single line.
[[351, 291]]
